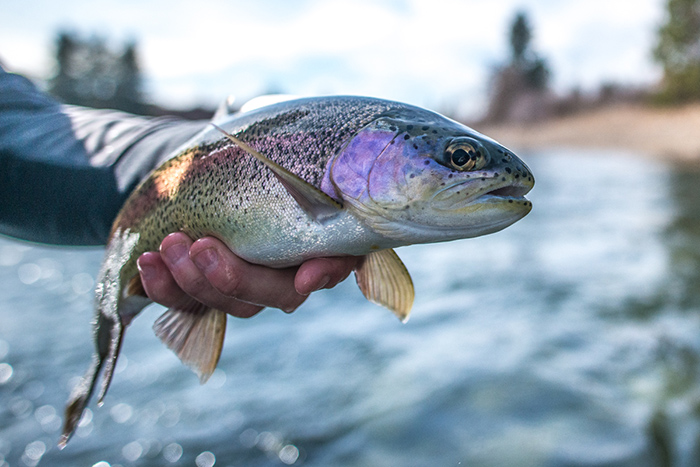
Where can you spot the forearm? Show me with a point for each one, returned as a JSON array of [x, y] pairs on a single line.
[[65, 171], [56, 204]]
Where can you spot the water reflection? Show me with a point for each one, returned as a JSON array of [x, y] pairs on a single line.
[[172, 452]]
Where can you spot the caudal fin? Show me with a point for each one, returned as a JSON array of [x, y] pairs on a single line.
[[196, 334], [108, 338]]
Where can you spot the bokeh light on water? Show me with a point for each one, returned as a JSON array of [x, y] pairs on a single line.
[[572, 337]]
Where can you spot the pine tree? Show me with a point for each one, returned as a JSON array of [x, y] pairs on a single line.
[[63, 84], [128, 91], [526, 74], [520, 37], [90, 74], [678, 51]]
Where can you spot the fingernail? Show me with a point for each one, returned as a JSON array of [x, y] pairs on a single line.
[[176, 253], [322, 283], [146, 270], [206, 260], [313, 288]]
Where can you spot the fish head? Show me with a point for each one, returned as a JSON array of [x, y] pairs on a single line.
[[419, 177]]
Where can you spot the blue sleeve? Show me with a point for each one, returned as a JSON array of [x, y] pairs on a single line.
[[65, 171]]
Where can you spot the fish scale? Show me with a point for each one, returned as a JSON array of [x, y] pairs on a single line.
[[309, 178]]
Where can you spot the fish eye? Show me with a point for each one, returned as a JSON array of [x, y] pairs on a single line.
[[465, 154]]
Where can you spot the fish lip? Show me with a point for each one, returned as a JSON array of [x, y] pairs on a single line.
[[513, 190]]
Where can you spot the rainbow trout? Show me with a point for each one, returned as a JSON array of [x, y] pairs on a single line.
[[313, 177]]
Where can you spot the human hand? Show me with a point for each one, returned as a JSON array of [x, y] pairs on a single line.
[[209, 272]]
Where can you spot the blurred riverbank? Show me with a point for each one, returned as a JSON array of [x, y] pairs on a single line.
[[665, 133]]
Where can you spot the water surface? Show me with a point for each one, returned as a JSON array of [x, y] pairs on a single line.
[[570, 338]]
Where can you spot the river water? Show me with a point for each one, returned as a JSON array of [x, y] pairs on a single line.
[[570, 338]]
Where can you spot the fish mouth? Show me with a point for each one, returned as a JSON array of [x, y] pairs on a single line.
[[455, 196], [510, 191]]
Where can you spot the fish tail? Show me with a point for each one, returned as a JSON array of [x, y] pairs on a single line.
[[108, 337], [116, 335], [196, 334]]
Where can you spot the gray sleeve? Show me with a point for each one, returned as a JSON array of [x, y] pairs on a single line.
[[65, 171]]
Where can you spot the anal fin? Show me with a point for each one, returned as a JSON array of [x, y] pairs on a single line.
[[384, 280], [196, 334]]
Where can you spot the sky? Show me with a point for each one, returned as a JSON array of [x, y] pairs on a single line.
[[433, 53]]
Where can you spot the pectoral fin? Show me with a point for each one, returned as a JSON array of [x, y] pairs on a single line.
[[315, 202], [383, 279], [196, 335]]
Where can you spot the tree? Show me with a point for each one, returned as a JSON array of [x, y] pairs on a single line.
[[63, 84], [520, 36], [90, 74], [678, 51], [129, 87], [525, 77]]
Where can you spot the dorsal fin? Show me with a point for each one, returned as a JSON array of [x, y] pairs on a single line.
[[315, 202]]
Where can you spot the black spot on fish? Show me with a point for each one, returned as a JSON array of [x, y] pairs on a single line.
[[412, 176], [409, 127], [406, 137], [508, 170], [425, 128], [427, 162], [415, 146]]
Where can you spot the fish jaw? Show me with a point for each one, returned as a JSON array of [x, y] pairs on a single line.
[[497, 203]]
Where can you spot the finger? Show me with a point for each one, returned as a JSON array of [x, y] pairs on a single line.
[[320, 273], [176, 256], [252, 283], [158, 282]]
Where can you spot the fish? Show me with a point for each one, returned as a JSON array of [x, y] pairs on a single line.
[[306, 178]]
